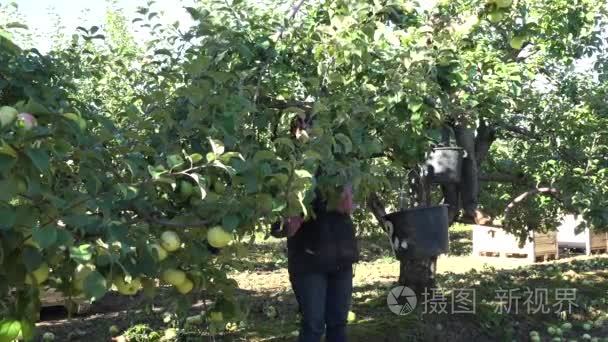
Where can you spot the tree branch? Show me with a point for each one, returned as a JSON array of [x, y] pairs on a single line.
[[553, 192], [377, 208], [521, 131], [279, 104], [148, 217], [503, 177]]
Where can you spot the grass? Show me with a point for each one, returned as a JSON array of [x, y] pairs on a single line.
[[488, 277], [263, 283]]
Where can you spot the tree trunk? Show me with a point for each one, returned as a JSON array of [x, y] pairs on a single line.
[[418, 273], [469, 185], [483, 141], [465, 195], [415, 273]]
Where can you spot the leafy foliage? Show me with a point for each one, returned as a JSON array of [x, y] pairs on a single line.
[[195, 129]]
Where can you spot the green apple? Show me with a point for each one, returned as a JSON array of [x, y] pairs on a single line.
[[270, 311], [170, 241], [219, 187], [39, 276], [170, 334], [125, 288], [567, 326], [48, 336], [193, 320], [551, 330], [27, 121], [535, 338], [587, 327], [82, 123], [351, 317], [216, 316], [21, 185], [80, 274], [495, 17], [113, 330], [586, 337], [158, 251], [173, 276], [186, 189], [7, 115], [517, 42], [30, 242], [503, 3], [264, 203], [218, 237], [185, 287]]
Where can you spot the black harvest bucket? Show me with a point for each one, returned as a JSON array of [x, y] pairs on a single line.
[[445, 165], [425, 230]]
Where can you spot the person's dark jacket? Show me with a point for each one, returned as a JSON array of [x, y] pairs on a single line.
[[324, 243]]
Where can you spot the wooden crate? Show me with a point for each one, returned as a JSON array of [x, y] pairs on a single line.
[[590, 242], [494, 241], [598, 243], [51, 297]]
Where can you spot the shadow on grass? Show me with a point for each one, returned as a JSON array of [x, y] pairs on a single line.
[[271, 254], [376, 323]]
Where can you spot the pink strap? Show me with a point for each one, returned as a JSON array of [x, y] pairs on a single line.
[[293, 224]]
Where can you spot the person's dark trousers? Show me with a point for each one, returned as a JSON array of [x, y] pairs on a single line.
[[324, 300]]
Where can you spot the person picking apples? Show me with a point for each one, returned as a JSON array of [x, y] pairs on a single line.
[[321, 251]]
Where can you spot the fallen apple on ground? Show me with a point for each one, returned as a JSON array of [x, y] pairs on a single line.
[[270, 311], [351, 317], [113, 330], [48, 336]]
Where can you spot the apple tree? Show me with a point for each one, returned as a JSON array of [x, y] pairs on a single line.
[[123, 166]]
